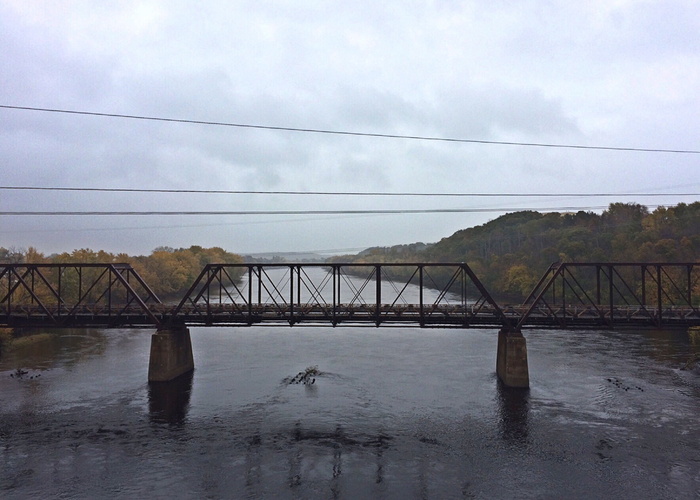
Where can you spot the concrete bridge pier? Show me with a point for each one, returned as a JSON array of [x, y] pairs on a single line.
[[171, 354], [511, 359]]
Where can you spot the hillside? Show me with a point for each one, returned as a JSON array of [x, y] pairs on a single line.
[[510, 253]]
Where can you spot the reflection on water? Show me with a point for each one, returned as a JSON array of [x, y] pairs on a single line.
[[40, 349], [168, 402], [513, 409], [393, 413]]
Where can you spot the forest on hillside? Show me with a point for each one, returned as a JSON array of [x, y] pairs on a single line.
[[509, 254], [168, 271]]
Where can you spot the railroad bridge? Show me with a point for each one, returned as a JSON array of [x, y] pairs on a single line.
[[427, 295]]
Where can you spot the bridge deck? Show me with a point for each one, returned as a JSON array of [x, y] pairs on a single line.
[[350, 315]]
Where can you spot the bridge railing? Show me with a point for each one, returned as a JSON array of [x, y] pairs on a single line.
[[75, 295], [422, 294], [615, 294]]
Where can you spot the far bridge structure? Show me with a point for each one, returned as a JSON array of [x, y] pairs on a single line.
[[426, 295]]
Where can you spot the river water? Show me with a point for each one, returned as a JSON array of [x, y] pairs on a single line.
[[393, 413]]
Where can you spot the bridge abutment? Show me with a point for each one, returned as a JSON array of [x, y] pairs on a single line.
[[511, 359], [171, 354]]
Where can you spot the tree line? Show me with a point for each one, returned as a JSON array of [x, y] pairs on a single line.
[[168, 271]]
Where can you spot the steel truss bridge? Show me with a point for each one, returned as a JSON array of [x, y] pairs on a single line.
[[431, 295]]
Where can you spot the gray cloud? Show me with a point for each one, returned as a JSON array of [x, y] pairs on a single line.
[[596, 73]]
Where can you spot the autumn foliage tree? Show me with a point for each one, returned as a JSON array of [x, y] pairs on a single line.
[[168, 271]]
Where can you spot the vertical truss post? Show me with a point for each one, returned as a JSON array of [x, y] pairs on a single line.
[[563, 298], [250, 295], [420, 295], [221, 284], [58, 298], [291, 294], [611, 298], [378, 278], [128, 292], [599, 300], [109, 290], [80, 282], [9, 292], [336, 271], [659, 292], [210, 276], [33, 274]]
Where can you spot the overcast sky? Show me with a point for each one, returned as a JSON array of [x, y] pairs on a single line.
[[619, 73]]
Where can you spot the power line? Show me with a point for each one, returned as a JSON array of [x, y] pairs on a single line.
[[340, 193], [179, 226], [290, 212], [349, 133]]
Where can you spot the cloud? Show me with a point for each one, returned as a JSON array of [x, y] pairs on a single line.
[[598, 73]]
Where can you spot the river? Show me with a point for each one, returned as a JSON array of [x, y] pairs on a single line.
[[394, 413]]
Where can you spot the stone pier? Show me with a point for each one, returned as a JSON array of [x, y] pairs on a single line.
[[511, 359], [171, 354]]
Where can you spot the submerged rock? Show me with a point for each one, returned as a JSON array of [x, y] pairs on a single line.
[[306, 377]]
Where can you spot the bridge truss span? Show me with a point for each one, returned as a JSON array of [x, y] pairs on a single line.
[[430, 295], [426, 295], [75, 295], [615, 295]]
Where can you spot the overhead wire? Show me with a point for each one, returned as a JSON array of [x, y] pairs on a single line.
[[330, 193], [186, 226], [347, 132], [340, 193], [44, 213], [324, 193]]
